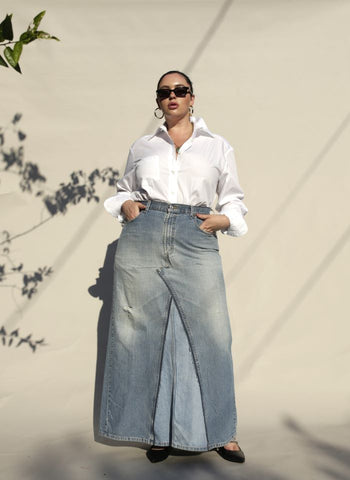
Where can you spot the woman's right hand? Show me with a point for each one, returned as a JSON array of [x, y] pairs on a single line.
[[131, 209]]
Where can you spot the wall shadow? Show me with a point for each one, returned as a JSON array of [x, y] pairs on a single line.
[[288, 200], [102, 290], [289, 310]]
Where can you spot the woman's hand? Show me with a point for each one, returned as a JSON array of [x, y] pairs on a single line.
[[132, 209], [214, 222]]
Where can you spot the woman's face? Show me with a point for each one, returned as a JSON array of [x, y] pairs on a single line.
[[173, 106]]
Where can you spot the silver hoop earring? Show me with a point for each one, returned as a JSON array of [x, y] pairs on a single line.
[[190, 109], [155, 113]]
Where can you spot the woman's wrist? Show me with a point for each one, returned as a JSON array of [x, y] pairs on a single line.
[[225, 221]]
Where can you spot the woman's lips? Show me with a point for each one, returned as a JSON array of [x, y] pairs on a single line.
[[172, 106]]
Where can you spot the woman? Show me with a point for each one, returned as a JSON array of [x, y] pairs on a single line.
[[169, 376]]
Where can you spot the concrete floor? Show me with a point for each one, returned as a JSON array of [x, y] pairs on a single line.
[[285, 454]]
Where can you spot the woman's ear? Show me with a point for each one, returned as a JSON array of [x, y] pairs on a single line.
[[192, 100]]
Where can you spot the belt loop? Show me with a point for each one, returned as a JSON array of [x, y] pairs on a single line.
[[192, 211], [148, 205]]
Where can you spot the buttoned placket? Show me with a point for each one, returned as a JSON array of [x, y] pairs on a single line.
[[174, 165]]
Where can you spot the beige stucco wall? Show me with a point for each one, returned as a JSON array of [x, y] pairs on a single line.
[[273, 78]]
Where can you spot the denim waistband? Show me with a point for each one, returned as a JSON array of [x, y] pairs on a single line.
[[175, 207]]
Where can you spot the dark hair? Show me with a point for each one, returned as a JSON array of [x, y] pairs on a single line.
[[180, 73]]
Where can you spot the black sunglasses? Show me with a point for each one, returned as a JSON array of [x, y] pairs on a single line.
[[164, 93]]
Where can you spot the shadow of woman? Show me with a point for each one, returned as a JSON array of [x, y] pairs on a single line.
[[103, 289]]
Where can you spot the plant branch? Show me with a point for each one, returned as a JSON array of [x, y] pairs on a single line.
[[7, 43], [26, 231]]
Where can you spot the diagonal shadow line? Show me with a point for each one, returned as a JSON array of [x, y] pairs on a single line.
[[293, 305], [288, 200], [67, 251], [208, 36]]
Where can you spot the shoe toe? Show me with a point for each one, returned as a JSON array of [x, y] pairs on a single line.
[[232, 455], [155, 456]]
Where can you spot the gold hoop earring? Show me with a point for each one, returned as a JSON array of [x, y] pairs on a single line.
[[191, 109], [155, 113]]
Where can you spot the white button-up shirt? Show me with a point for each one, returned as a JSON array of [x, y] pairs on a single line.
[[204, 167]]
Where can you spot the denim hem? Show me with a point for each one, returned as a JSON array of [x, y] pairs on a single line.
[[167, 444], [126, 439], [189, 449], [221, 444]]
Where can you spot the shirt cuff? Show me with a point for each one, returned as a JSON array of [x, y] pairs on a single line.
[[238, 226], [114, 204]]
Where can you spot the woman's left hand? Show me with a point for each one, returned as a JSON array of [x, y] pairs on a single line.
[[213, 222]]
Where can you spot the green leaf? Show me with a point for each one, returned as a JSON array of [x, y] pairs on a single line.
[[6, 32], [18, 68], [2, 62], [8, 52], [41, 34], [27, 37], [17, 50], [37, 19]]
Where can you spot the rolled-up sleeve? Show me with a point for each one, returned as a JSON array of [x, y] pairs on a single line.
[[125, 188], [230, 197]]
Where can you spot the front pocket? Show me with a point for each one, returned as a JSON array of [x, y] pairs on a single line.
[[198, 222], [134, 219]]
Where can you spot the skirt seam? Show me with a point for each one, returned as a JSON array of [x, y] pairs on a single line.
[[160, 366]]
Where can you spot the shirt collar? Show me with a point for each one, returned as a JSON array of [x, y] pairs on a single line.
[[200, 128]]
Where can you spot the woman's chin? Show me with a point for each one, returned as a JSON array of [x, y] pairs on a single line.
[[176, 113]]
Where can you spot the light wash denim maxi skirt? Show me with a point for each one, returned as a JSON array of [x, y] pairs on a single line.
[[169, 376]]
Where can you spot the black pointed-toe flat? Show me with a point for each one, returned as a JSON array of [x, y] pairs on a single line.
[[231, 455], [154, 455]]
